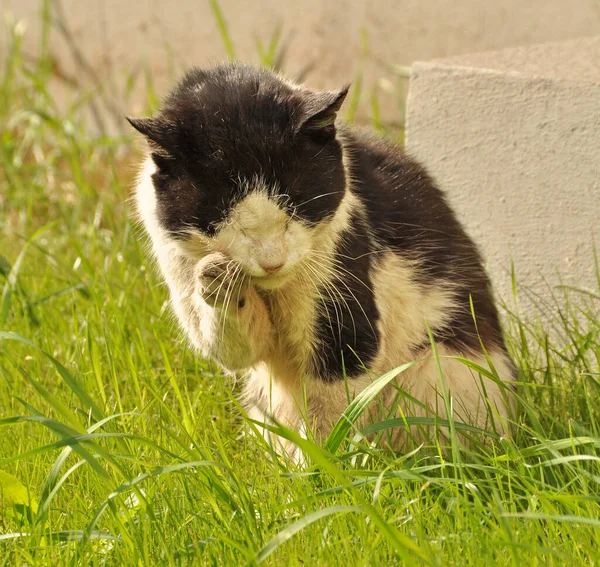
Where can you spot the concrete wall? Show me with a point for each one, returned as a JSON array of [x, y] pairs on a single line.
[[513, 136], [324, 40]]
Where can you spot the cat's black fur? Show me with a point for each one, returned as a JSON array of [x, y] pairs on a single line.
[[235, 122], [347, 326]]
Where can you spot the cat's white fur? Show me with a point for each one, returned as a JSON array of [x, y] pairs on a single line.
[[270, 339]]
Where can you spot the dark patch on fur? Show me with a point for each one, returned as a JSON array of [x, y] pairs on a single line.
[[410, 215], [346, 329]]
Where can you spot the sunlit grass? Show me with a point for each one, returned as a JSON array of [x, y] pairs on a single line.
[[130, 450]]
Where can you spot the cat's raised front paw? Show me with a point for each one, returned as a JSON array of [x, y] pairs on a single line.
[[221, 282]]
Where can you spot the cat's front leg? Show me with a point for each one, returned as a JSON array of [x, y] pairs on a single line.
[[268, 401], [234, 323]]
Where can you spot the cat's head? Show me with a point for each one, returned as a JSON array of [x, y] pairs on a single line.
[[247, 163]]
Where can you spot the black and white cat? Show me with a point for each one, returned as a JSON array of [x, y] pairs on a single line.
[[312, 258]]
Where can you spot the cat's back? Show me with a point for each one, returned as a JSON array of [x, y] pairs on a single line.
[[405, 208], [408, 214]]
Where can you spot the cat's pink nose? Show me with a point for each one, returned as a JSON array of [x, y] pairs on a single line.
[[272, 268]]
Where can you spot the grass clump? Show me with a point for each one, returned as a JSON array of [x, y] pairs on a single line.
[[120, 447]]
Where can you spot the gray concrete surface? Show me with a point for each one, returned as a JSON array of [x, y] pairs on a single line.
[[513, 136], [325, 41]]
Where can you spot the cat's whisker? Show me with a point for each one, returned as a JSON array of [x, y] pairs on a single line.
[[334, 303], [319, 197], [336, 310], [340, 267], [342, 282], [363, 255], [337, 291], [333, 289], [217, 292], [304, 274], [231, 285], [359, 305], [239, 288]]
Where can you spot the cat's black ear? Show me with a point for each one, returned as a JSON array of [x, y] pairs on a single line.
[[321, 112], [156, 130]]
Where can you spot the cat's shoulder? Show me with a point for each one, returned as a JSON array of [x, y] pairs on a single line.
[[389, 181]]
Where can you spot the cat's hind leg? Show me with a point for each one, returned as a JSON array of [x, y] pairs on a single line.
[[444, 386], [271, 401], [422, 398]]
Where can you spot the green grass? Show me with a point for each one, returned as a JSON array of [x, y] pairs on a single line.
[[129, 450]]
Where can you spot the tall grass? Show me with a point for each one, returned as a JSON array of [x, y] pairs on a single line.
[[120, 447]]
